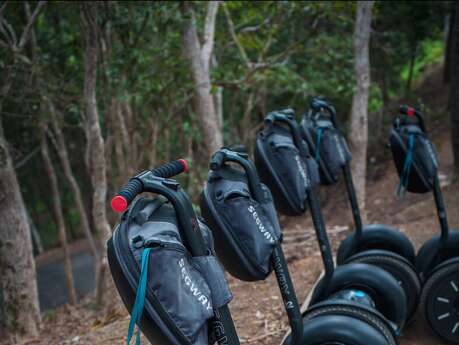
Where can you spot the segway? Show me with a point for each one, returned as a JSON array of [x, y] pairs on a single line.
[[240, 212], [376, 244], [437, 261], [163, 265]]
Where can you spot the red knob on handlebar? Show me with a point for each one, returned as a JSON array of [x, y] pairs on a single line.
[[119, 204], [410, 111], [185, 164]]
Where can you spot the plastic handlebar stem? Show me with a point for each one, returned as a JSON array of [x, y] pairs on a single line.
[[318, 103], [217, 160]]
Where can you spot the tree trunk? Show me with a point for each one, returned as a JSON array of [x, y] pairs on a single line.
[[454, 89], [95, 141], [57, 205], [61, 149], [199, 58], [409, 81], [449, 27], [359, 110], [17, 266], [36, 238]]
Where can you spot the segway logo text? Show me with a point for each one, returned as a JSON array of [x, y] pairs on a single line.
[[301, 170], [260, 225], [340, 148], [204, 300]]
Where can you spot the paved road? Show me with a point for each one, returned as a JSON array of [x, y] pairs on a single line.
[[52, 290]]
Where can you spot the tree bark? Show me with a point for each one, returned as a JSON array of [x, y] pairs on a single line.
[[36, 238], [454, 89], [409, 81], [95, 141], [199, 57], [17, 266], [61, 148], [359, 110], [450, 21], [57, 206]]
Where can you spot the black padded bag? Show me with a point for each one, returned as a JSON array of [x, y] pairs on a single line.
[[182, 290], [327, 146], [245, 230], [414, 155], [283, 167]]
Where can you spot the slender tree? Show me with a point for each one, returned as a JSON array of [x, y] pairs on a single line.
[[17, 266], [359, 110], [95, 143], [200, 55], [454, 87], [58, 215], [60, 144]]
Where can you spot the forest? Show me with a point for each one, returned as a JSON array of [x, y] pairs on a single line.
[[92, 93]]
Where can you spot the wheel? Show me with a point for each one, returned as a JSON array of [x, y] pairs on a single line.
[[377, 236], [440, 301], [381, 286], [344, 324], [400, 268], [434, 252]]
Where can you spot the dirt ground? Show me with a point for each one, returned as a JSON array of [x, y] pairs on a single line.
[[257, 307]]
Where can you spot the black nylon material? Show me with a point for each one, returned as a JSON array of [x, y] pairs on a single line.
[[283, 168], [332, 152], [245, 230], [182, 289], [425, 159]]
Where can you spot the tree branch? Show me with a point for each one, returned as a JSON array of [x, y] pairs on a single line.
[[209, 32], [31, 21], [234, 36]]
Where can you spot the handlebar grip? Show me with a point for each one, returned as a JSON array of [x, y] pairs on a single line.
[[125, 196], [171, 169], [134, 187], [217, 160]]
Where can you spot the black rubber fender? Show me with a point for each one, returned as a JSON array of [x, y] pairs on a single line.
[[339, 329], [430, 255], [377, 236]]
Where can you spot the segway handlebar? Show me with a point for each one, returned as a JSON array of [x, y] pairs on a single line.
[[317, 104], [121, 201], [410, 112], [242, 158]]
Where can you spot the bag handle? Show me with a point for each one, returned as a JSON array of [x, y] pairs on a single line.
[[242, 158]]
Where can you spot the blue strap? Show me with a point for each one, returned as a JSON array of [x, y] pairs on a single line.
[[319, 137], [137, 310], [403, 184]]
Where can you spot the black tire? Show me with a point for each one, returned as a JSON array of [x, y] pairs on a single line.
[[400, 268], [382, 287], [440, 301], [376, 236], [339, 330]]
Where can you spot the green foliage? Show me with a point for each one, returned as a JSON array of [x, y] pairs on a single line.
[[431, 52], [295, 50]]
